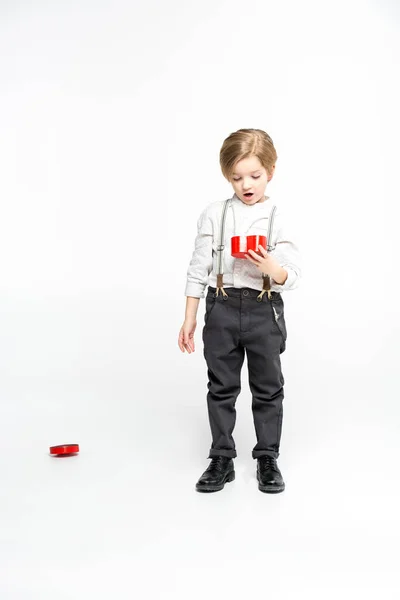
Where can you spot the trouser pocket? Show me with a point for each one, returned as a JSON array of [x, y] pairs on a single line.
[[278, 314], [210, 303]]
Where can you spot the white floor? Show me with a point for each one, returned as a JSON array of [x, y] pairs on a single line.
[[123, 520]]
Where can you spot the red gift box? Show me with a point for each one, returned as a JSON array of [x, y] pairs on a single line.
[[241, 244]]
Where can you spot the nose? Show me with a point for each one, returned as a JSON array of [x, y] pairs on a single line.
[[246, 185]]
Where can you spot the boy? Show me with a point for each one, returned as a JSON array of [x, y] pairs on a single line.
[[240, 317]]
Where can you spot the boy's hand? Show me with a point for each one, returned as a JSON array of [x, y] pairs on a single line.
[[186, 335], [266, 263]]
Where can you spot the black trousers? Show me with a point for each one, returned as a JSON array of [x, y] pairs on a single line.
[[233, 325]]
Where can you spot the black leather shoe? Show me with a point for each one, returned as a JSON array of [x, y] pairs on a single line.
[[219, 471], [269, 477]]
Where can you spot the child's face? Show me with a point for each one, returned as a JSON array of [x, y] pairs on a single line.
[[250, 176]]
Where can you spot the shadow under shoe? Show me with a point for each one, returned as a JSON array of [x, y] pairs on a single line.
[[219, 472], [269, 477]]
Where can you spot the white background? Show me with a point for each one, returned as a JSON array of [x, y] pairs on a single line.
[[112, 115]]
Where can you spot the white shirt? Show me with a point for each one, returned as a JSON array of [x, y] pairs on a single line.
[[241, 219]]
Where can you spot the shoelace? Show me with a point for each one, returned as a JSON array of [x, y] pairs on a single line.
[[268, 461], [217, 463]]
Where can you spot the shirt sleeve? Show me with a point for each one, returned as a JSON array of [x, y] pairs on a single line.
[[201, 262], [286, 253]]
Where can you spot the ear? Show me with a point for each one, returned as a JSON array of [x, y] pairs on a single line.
[[272, 173]]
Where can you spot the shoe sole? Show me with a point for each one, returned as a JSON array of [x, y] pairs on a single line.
[[271, 489], [216, 488]]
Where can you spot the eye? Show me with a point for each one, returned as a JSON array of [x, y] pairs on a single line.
[[256, 176]]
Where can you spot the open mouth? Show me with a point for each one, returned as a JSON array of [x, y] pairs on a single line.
[[248, 195]]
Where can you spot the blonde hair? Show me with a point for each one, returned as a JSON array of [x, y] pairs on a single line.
[[244, 143]]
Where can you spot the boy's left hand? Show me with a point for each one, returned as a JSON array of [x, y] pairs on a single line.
[[265, 263]]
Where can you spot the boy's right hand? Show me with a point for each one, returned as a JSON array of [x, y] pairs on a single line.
[[186, 335]]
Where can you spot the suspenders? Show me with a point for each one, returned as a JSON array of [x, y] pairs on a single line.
[[220, 250]]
